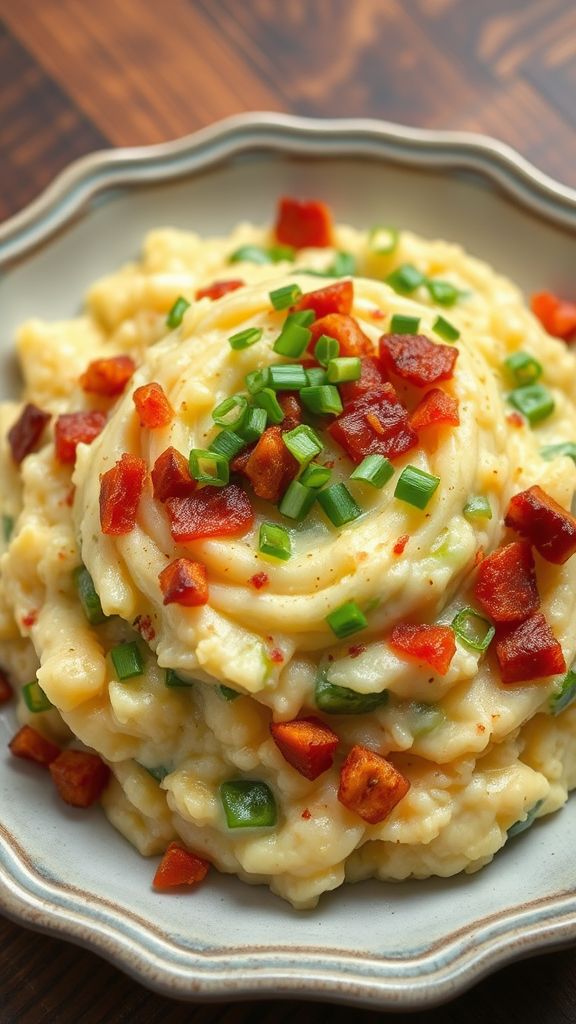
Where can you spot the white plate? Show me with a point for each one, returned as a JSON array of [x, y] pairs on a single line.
[[404, 945]]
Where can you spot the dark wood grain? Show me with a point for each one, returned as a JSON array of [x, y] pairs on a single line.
[[77, 76]]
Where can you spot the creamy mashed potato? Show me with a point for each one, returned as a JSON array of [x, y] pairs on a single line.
[[480, 755]]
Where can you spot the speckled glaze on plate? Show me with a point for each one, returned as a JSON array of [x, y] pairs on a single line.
[[378, 945]]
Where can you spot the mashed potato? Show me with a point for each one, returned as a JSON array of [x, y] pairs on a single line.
[[460, 756]]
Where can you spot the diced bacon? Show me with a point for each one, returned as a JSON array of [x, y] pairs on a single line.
[[179, 867], [415, 358], [545, 523], [374, 423], [31, 745], [334, 298], [303, 224], [557, 316], [74, 428], [219, 288], [24, 435], [120, 492], [153, 408], [239, 462], [307, 744], [79, 777], [184, 582], [372, 377], [107, 377], [370, 785], [171, 476], [291, 408], [271, 466], [529, 651], [436, 408], [6, 691], [506, 584], [433, 645], [210, 512], [346, 330]]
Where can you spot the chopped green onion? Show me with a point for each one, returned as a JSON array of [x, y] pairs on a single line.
[[127, 660], [343, 265], [244, 339], [159, 773], [231, 412], [415, 486], [297, 501], [7, 527], [250, 254], [534, 401], [326, 348], [339, 505], [424, 718], [445, 329], [266, 399], [346, 620], [383, 240], [404, 324], [254, 425], [302, 317], [303, 443], [524, 823], [176, 314], [316, 377], [553, 451], [256, 380], [322, 399], [35, 698], [293, 340], [286, 377], [278, 253], [228, 693], [341, 700], [344, 368], [523, 368], [405, 279], [275, 541], [228, 444], [478, 508], [444, 293], [209, 467], [248, 804], [566, 694], [286, 296], [473, 630], [315, 475], [374, 469], [172, 679], [89, 599]]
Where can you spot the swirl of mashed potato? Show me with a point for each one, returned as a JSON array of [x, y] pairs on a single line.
[[479, 755]]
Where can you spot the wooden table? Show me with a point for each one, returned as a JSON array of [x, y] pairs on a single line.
[[78, 76]]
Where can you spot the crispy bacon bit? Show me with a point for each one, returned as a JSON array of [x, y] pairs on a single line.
[[73, 428], [30, 619], [179, 867], [557, 316], [275, 656], [291, 408], [259, 580], [6, 691], [143, 624], [515, 418], [529, 651], [107, 377], [307, 744], [372, 378], [335, 298], [152, 406], [374, 423], [32, 746], [24, 435], [506, 584], [545, 523], [370, 785], [306, 814], [346, 330], [171, 476], [398, 547], [303, 224], [238, 463], [436, 408], [79, 777], [184, 582], [415, 358], [120, 491], [271, 466], [210, 512], [219, 288], [433, 645]]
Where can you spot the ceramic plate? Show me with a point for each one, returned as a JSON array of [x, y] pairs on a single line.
[[404, 945]]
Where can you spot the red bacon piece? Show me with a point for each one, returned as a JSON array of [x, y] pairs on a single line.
[[506, 584], [184, 582], [436, 408], [433, 645], [334, 298], [24, 435], [152, 406], [545, 523], [271, 466], [529, 651], [79, 777], [372, 377], [179, 867], [291, 408], [107, 377], [73, 428], [303, 224], [32, 746], [210, 512], [219, 288], [370, 785], [415, 358], [171, 476], [374, 423], [120, 491], [557, 316], [307, 744], [346, 330]]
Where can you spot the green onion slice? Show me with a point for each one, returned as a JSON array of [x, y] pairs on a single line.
[[172, 679], [7, 527], [278, 253], [416, 487], [322, 399], [445, 329], [553, 451], [424, 718], [315, 475], [256, 380], [341, 700], [343, 265], [127, 660], [404, 324], [266, 399], [566, 694], [478, 507], [297, 501], [344, 368], [275, 541], [35, 698], [254, 425], [326, 348], [375, 470], [523, 368], [176, 314], [250, 254], [339, 505], [444, 293], [303, 443], [405, 279], [473, 630], [534, 401], [293, 340], [246, 338], [383, 240], [228, 693], [346, 620], [89, 599], [248, 804], [286, 296], [520, 826], [231, 412], [209, 467], [286, 377], [316, 377], [228, 444]]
